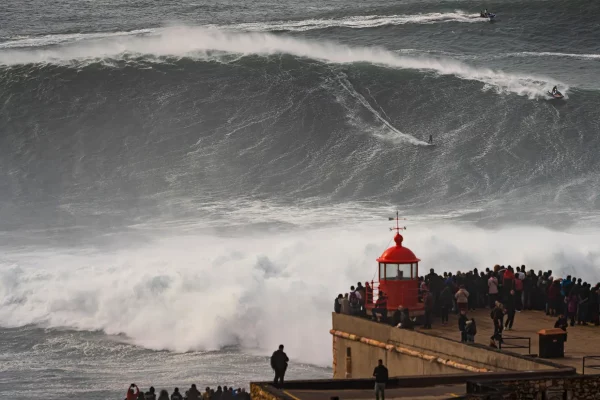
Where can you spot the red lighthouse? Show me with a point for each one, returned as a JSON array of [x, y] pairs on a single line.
[[398, 273]]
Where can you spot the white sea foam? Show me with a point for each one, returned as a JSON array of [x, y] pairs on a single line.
[[355, 22], [203, 291], [201, 43], [358, 22], [556, 55]]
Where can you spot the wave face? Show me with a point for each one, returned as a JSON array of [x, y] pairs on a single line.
[[191, 184], [126, 122]]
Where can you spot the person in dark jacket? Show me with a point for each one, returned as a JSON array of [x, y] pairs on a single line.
[[497, 316], [193, 393], [150, 394], [381, 377], [471, 330], [446, 302], [405, 321], [337, 304], [176, 395], [510, 310], [279, 363], [164, 395], [462, 324]]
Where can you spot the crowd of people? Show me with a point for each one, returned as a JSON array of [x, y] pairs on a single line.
[[504, 290], [279, 364], [221, 393]]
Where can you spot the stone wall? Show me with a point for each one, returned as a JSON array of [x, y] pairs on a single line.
[[575, 388], [358, 344], [578, 387]]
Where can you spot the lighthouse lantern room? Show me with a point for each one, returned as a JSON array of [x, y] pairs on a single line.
[[398, 274]]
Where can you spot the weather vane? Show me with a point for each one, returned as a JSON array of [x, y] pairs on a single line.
[[398, 228]]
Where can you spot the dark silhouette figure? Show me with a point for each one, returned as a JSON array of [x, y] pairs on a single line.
[[381, 377], [279, 363], [193, 393], [176, 395], [430, 139]]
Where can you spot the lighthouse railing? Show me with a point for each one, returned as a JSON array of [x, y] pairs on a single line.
[[372, 295]]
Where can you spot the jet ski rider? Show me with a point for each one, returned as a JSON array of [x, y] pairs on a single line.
[[554, 90]]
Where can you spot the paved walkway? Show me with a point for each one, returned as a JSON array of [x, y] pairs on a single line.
[[581, 340], [431, 393]]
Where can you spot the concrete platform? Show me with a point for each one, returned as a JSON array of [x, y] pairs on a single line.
[[429, 393], [581, 340]]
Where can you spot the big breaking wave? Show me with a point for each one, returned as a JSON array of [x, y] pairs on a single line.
[[204, 291], [211, 44]]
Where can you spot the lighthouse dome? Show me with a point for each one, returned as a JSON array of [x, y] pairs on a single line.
[[398, 254]]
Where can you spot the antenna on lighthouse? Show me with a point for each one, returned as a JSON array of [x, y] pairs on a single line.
[[398, 228]]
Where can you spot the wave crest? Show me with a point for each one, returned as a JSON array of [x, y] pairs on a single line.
[[202, 44]]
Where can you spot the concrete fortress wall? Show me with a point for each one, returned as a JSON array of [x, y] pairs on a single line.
[[358, 344]]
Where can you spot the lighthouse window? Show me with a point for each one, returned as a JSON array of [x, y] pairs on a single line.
[[404, 271], [391, 271]]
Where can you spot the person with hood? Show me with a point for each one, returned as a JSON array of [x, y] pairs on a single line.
[[131, 394], [445, 303], [193, 393], [176, 395], [164, 395], [279, 363]]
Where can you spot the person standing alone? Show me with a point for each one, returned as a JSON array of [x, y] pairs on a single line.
[[381, 377], [279, 363]]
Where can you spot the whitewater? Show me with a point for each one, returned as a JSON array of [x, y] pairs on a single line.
[[212, 44], [184, 187]]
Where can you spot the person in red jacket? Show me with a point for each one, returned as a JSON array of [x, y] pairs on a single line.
[[131, 395]]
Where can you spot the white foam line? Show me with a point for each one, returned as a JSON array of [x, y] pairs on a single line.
[[359, 22], [562, 55], [50, 40], [202, 44], [354, 22]]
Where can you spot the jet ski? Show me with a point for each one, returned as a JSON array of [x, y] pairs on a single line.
[[557, 95], [489, 15]]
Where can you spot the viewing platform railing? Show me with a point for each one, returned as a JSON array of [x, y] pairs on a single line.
[[515, 342], [594, 366]]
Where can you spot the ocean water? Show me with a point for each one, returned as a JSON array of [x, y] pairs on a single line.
[[186, 185]]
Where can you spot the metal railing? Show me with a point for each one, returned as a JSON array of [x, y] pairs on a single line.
[[516, 342], [596, 366]]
